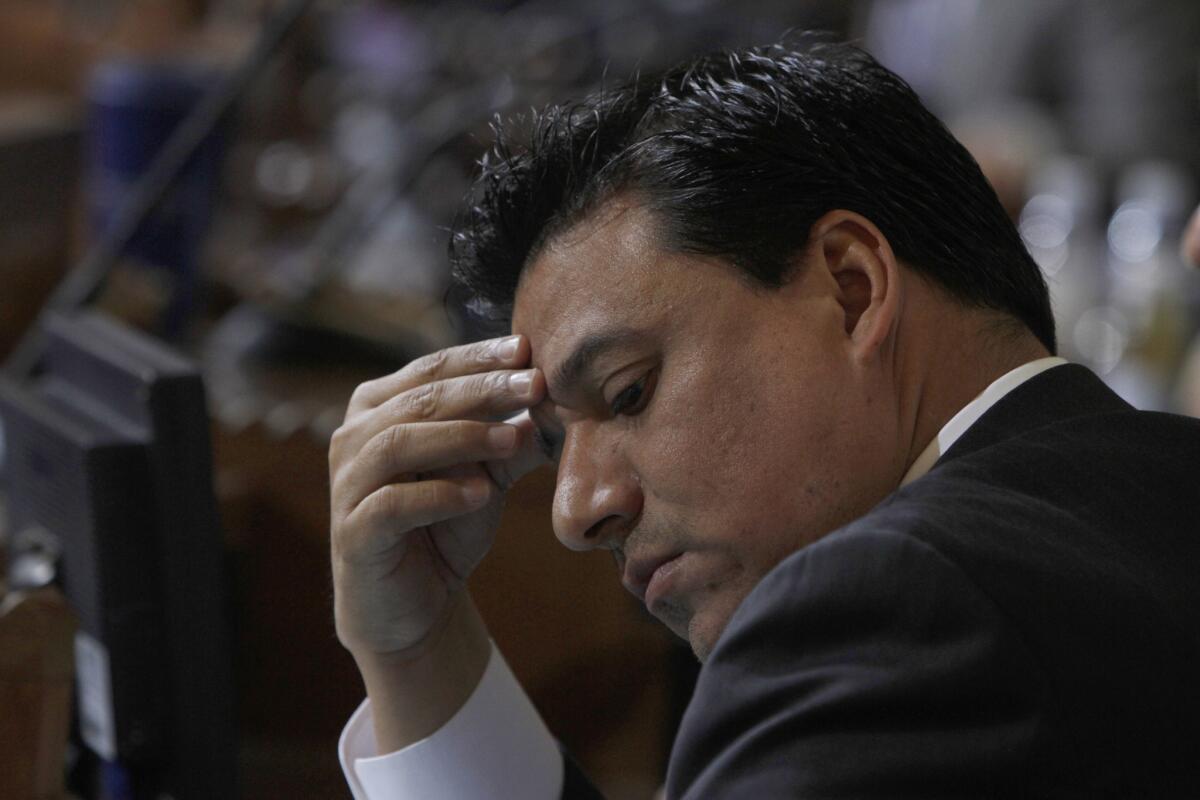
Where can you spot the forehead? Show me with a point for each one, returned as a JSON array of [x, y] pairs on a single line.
[[605, 273]]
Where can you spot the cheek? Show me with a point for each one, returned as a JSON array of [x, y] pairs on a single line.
[[770, 463], [735, 448], [697, 436]]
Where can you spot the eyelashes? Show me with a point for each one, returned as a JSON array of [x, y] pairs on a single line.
[[548, 446], [629, 402], [632, 400]]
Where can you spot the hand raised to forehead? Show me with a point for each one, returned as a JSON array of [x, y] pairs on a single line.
[[417, 474]]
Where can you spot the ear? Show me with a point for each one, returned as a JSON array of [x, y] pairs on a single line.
[[868, 279]]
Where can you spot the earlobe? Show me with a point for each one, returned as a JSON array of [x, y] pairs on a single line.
[[861, 262]]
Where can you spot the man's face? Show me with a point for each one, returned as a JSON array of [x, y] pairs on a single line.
[[704, 428]]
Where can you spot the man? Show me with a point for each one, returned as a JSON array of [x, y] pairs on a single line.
[[796, 369]]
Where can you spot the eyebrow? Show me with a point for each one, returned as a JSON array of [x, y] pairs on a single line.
[[575, 366]]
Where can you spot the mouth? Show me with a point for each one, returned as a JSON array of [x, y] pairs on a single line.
[[648, 579]]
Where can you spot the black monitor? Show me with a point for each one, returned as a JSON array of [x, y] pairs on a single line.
[[108, 461]]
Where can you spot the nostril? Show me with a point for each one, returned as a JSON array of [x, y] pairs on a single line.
[[598, 531]]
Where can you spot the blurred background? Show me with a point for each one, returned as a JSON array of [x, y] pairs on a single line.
[[303, 250]]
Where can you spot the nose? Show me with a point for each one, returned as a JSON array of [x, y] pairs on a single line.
[[597, 497]]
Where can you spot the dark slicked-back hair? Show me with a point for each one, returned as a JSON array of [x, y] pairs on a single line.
[[737, 154]]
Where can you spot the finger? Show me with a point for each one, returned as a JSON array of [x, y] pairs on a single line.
[[481, 397], [527, 455], [488, 395], [382, 520], [419, 447], [509, 352]]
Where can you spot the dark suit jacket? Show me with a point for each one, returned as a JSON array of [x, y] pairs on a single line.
[[1023, 621]]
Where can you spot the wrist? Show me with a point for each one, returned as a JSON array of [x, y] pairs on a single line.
[[415, 692]]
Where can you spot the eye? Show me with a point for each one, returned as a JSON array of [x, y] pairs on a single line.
[[632, 399]]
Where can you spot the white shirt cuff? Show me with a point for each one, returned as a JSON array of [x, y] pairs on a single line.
[[495, 746]]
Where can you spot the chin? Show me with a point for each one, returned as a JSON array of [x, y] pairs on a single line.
[[703, 633], [703, 629], [692, 630]]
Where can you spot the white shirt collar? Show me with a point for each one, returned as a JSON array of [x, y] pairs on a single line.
[[972, 411]]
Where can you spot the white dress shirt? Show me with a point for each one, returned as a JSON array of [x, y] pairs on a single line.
[[497, 745]]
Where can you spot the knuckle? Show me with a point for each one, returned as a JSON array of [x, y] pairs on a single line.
[[386, 503], [341, 537], [494, 383], [485, 352], [360, 396], [430, 366], [339, 551], [337, 445], [422, 402], [344, 542], [391, 442]]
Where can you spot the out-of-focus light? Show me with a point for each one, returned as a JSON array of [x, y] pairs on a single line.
[[1134, 232], [1045, 226], [1101, 336], [1046, 221], [366, 135], [284, 173]]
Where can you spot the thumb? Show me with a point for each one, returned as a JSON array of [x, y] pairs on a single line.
[[528, 456]]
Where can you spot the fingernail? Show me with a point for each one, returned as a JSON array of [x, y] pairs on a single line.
[[476, 492], [521, 382], [507, 348], [501, 437]]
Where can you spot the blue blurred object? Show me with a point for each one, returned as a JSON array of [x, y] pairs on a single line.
[[133, 107], [115, 783]]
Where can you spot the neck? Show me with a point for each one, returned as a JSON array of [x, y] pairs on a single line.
[[962, 356]]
